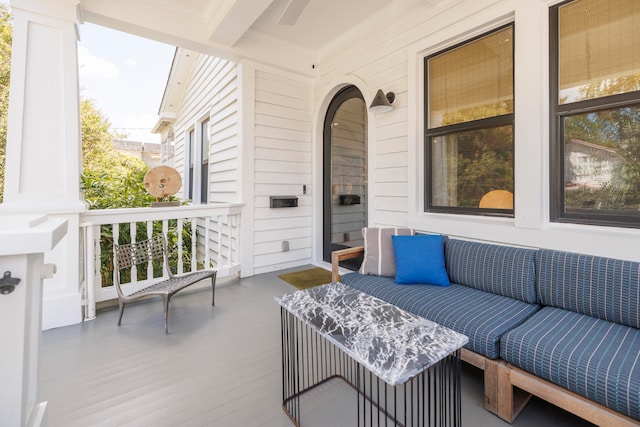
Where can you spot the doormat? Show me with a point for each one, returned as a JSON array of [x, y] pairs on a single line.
[[309, 278]]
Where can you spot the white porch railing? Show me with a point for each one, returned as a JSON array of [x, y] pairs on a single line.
[[200, 236]]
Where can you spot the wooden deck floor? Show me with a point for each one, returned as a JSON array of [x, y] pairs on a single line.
[[219, 366]]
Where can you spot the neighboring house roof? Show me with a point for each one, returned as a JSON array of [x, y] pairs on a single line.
[[608, 151], [148, 152]]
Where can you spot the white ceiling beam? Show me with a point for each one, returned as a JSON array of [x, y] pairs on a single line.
[[234, 18], [292, 12]]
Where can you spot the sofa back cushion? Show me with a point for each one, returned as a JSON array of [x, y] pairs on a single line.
[[501, 270], [379, 259], [604, 288]]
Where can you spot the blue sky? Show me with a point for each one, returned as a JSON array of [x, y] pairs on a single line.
[[125, 75]]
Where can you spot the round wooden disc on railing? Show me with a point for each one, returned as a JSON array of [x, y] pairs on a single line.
[[162, 181]]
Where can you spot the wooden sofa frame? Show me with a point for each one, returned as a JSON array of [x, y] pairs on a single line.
[[507, 388], [145, 252]]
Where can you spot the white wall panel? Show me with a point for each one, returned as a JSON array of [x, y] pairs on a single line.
[[282, 166], [211, 92]]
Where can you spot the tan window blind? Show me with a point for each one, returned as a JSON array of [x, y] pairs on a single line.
[[473, 81], [599, 49]]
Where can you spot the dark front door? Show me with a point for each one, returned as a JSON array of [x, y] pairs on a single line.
[[345, 173]]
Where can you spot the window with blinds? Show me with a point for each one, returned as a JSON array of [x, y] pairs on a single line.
[[469, 129], [595, 109]]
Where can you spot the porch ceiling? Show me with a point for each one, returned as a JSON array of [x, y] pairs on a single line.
[[278, 31]]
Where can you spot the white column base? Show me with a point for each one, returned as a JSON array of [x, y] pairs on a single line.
[[61, 310]]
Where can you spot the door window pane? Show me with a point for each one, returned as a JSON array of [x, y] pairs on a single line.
[[348, 173]]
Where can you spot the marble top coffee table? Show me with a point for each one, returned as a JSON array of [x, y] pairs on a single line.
[[335, 331]]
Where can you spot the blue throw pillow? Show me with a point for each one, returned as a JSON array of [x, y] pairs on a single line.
[[420, 260]]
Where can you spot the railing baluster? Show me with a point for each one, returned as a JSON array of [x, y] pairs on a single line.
[[90, 280], [219, 221], [207, 240], [149, 235], [194, 243], [97, 238], [165, 233], [115, 228], [180, 249], [134, 268], [234, 235], [233, 228]]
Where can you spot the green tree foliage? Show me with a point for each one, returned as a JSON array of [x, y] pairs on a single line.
[[484, 159], [5, 72], [110, 179], [485, 163]]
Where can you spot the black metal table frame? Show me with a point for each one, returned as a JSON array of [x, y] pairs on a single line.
[[431, 398]]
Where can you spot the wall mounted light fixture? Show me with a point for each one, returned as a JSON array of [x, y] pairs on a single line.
[[382, 103]]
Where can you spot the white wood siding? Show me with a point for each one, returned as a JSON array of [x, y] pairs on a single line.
[[212, 92], [282, 154], [283, 164]]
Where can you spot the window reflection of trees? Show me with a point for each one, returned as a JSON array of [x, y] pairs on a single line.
[[613, 136]]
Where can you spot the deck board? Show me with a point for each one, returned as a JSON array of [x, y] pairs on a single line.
[[218, 366]]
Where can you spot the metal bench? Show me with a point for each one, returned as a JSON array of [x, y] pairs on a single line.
[[144, 252]]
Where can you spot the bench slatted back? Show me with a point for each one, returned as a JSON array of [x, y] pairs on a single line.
[[132, 254]]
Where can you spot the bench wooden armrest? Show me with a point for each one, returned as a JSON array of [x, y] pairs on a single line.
[[341, 255]]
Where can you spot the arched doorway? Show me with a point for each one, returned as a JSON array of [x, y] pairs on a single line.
[[345, 173]]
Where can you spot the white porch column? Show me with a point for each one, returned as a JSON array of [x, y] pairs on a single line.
[[23, 241], [43, 161]]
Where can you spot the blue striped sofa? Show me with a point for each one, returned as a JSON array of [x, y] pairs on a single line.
[[562, 326], [585, 339]]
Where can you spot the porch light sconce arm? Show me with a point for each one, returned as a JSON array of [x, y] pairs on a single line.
[[382, 103]]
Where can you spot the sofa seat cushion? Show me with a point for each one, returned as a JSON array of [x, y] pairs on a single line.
[[482, 316], [594, 358]]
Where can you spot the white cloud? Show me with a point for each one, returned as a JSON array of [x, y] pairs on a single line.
[[132, 62], [94, 66], [140, 120]]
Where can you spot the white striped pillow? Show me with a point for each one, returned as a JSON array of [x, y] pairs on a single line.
[[378, 250]]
